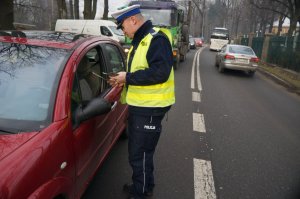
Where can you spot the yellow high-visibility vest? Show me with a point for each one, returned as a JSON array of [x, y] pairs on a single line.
[[157, 95]]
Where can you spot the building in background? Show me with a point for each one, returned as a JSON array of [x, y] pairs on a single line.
[[285, 27]]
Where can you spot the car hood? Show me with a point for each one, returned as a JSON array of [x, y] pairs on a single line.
[[9, 143]]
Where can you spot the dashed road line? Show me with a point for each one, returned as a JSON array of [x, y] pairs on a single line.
[[196, 97], [203, 180], [198, 123]]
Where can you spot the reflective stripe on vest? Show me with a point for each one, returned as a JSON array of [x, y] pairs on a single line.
[[158, 95]]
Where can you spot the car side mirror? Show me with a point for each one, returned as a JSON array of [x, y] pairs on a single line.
[[97, 106]]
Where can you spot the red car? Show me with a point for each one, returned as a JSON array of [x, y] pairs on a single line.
[[198, 42], [59, 118]]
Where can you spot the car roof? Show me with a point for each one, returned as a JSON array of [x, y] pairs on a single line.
[[228, 45], [46, 38]]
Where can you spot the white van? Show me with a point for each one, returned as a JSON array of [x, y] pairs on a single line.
[[91, 27]]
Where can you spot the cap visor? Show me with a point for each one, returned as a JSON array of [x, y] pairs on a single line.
[[119, 26]]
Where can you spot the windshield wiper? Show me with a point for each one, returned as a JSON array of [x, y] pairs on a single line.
[[5, 132]]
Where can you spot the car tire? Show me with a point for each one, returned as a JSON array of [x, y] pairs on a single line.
[[251, 73], [182, 58], [176, 64], [216, 63], [221, 69]]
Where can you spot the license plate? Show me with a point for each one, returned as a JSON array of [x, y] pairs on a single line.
[[243, 61]]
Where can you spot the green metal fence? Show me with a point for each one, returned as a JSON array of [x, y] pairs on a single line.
[[285, 52], [257, 45], [245, 41]]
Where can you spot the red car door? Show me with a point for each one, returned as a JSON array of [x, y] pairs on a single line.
[[93, 137], [115, 62]]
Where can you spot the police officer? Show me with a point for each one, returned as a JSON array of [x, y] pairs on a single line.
[[148, 89]]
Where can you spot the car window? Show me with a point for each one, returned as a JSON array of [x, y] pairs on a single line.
[[116, 31], [105, 31], [89, 82], [241, 50], [113, 58]]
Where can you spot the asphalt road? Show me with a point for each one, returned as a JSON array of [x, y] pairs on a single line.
[[229, 136]]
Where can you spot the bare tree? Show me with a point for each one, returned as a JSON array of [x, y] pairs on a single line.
[[216, 14], [105, 13], [90, 8], [280, 23], [287, 8], [6, 14], [33, 14], [76, 9], [62, 9], [71, 9], [199, 6], [235, 16]]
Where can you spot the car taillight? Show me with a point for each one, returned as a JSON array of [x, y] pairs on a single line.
[[254, 59], [229, 57]]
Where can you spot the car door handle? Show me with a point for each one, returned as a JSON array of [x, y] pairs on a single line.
[[114, 105]]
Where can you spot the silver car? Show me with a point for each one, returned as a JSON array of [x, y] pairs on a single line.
[[237, 57]]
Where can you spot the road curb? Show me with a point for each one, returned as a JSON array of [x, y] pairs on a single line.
[[280, 81]]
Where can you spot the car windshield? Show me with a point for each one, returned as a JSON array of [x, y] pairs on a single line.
[[158, 17], [217, 31], [27, 77], [241, 50], [220, 33]]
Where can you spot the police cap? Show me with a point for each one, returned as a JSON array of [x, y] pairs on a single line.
[[121, 15]]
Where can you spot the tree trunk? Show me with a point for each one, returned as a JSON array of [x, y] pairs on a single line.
[[87, 9], [62, 9], [6, 15], [76, 9], [280, 22], [71, 9], [293, 25], [271, 23], [94, 10], [105, 13]]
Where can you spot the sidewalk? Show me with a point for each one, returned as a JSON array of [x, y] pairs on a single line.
[[287, 78]]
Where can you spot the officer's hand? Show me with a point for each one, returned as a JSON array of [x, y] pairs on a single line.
[[117, 80]]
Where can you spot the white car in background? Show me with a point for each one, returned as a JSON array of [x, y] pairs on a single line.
[[237, 57]]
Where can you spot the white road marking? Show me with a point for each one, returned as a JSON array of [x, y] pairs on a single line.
[[198, 123], [203, 177], [196, 64], [198, 73], [203, 180], [196, 97], [193, 71]]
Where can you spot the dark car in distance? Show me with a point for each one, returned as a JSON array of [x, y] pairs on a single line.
[[192, 43], [59, 117]]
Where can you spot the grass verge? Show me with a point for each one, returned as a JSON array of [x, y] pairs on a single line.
[[291, 77]]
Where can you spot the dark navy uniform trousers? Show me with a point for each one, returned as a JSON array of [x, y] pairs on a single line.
[[144, 132]]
